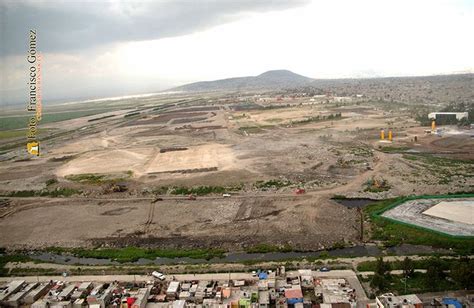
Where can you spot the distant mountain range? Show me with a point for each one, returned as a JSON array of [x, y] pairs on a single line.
[[276, 79], [285, 79], [437, 89]]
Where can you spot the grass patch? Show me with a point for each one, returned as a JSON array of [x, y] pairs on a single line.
[[58, 192], [133, 254], [5, 258], [438, 161], [418, 283], [12, 134], [10, 123], [95, 179], [370, 266]]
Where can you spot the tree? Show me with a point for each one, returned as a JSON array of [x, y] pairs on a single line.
[[381, 278], [434, 273], [382, 268], [462, 273], [379, 282], [408, 267]]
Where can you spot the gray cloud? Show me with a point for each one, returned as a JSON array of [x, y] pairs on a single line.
[[64, 26]]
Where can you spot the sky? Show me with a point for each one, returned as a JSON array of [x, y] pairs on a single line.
[[93, 49]]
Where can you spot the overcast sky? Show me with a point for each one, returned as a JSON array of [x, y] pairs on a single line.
[[109, 48]]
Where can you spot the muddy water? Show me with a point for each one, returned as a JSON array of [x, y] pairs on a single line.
[[355, 202]]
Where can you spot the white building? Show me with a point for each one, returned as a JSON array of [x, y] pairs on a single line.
[[459, 115]]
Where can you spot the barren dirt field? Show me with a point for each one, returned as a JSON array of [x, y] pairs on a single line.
[[155, 175]]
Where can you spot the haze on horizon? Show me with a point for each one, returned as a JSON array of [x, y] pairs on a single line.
[[116, 48]]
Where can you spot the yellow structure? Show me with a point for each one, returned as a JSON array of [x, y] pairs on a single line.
[[433, 125], [390, 135], [382, 135], [33, 148]]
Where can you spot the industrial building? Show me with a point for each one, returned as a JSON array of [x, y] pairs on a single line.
[[448, 117]]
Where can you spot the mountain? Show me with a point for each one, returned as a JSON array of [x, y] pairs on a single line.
[[276, 79]]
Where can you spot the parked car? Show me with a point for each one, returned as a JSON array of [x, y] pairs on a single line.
[[226, 195], [158, 275], [324, 269]]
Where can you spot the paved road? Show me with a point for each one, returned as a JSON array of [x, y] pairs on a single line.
[[130, 278]]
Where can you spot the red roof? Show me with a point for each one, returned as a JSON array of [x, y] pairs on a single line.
[[293, 293]]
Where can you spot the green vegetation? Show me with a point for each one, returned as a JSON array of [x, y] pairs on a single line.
[[419, 283], [58, 192], [370, 266], [50, 182], [96, 179], [381, 278], [391, 149], [133, 254], [86, 178], [12, 134], [5, 258], [203, 190], [422, 115], [15, 122], [318, 118], [441, 275], [462, 107], [272, 184], [362, 151], [441, 167], [438, 161], [393, 233]]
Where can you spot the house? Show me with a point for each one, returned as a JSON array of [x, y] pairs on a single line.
[[141, 298], [391, 301], [10, 288], [37, 293], [15, 300], [294, 295], [172, 291], [264, 299]]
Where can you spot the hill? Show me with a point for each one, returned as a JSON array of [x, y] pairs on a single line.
[[275, 79]]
